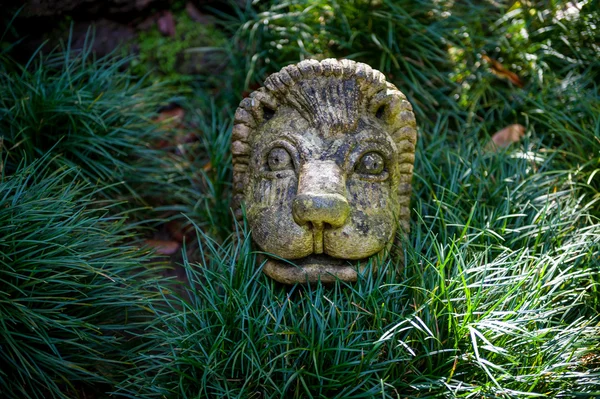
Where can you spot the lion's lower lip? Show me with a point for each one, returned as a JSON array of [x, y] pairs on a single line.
[[313, 268]]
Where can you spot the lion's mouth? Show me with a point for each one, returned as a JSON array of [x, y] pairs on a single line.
[[324, 259], [314, 268]]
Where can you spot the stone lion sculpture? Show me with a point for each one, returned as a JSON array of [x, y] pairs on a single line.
[[323, 160]]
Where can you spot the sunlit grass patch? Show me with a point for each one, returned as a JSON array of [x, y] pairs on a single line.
[[497, 296]]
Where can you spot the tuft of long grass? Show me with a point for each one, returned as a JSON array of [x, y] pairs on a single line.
[[200, 190], [510, 247], [240, 335], [405, 40], [74, 285], [89, 111], [498, 296]]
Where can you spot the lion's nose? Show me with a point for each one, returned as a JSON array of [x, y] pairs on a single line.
[[321, 196], [320, 210]]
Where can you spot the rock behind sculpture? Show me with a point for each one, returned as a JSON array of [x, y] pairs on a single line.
[[323, 159]]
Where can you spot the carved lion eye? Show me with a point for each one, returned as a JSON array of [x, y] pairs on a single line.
[[371, 163], [279, 159]]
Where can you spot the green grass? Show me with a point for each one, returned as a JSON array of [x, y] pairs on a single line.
[[496, 294], [74, 285], [403, 39], [200, 190], [97, 117], [498, 297]]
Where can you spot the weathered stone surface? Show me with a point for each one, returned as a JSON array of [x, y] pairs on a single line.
[[329, 148]]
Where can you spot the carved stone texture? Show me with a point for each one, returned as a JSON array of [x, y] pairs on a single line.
[[323, 159]]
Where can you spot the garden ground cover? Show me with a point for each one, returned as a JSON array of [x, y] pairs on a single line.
[[496, 294]]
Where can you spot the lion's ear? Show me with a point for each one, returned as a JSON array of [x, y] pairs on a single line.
[[263, 105], [256, 109], [388, 104]]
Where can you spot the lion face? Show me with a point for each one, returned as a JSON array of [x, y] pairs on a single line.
[[331, 196], [322, 171]]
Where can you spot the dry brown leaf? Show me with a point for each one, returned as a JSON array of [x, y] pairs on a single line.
[[499, 70], [170, 121], [505, 137], [166, 24], [163, 247], [591, 360], [177, 231], [161, 144], [174, 115]]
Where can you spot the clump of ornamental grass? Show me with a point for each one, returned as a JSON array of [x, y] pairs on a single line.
[[75, 285], [510, 244], [404, 39], [498, 296], [481, 61], [568, 122], [91, 112], [201, 189]]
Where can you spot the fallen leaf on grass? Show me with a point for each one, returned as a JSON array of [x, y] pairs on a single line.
[[163, 247], [174, 115], [180, 232], [505, 137], [166, 24], [171, 123], [499, 70], [185, 137]]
